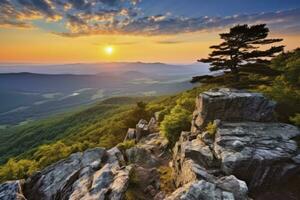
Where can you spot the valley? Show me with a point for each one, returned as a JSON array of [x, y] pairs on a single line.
[[31, 96]]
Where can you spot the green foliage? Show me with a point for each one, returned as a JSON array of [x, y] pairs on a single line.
[[179, 117], [123, 146], [240, 50], [211, 128], [289, 64], [166, 179], [296, 119], [47, 154], [13, 169], [178, 120], [48, 141], [285, 89]]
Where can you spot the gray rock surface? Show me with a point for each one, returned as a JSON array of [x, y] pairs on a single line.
[[141, 156], [247, 144], [231, 105], [93, 174], [260, 153], [225, 188], [53, 180], [11, 190], [142, 129]]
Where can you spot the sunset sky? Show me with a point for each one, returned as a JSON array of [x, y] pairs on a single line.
[[171, 31]]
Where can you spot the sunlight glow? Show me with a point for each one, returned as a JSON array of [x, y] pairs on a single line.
[[109, 50]]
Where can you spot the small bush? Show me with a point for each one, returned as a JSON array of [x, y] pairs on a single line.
[[17, 169], [178, 120], [126, 145], [296, 119], [211, 128], [166, 179]]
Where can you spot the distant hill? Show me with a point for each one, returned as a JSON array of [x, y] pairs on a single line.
[[30, 96], [94, 68]]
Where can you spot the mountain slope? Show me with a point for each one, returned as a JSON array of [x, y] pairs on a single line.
[[83, 126]]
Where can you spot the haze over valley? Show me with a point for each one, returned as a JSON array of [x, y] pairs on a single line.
[[29, 92]]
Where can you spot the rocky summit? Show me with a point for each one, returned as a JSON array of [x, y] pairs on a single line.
[[235, 150]]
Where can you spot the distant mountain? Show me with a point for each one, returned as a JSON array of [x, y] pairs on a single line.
[[29, 96], [94, 68]]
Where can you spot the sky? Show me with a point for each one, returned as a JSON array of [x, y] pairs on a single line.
[[170, 31]]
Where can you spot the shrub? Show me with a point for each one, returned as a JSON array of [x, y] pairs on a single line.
[[296, 119], [126, 145], [178, 120], [17, 169], [211, 128], [286, 96], [48, 154], [166, 179]]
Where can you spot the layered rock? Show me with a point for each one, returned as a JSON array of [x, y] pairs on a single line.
[[260, 153], [246, 144], [93, 174], [231, 105]]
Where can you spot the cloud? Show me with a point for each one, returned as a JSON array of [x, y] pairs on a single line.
[[174, 25], [14, 24], [169, 42], [98, 17], [170, 25]]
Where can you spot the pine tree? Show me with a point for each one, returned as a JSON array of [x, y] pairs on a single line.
[[241, 50]]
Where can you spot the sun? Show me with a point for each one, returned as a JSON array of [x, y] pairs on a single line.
[[109, 50]]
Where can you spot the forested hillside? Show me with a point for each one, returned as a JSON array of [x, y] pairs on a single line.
[[32, 147]]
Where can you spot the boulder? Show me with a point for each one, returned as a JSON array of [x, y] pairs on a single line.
[[142, 129], [226, 188], [93, 174], [141, 156], [191, 171], [12, 190], [230, 183], [153, 127], [56, 179], [262, 154], [120, 183], [231, 105], [206, 190]]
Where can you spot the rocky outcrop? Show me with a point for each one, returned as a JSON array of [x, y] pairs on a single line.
[[244, 154], [247, 143], [99, 173], [231, 105], [142, 129], [93, 174], [259, 153]]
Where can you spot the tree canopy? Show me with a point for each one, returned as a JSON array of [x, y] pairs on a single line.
[[241, 51]]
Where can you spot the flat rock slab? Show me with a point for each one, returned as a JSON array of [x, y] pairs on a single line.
[[232, 105]]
